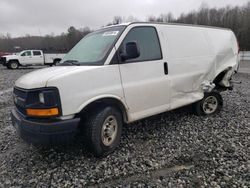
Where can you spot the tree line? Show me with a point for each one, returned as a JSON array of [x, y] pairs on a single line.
[[49, 43], [236, 18]]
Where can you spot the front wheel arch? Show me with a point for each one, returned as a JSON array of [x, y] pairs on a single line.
[[106, 101]]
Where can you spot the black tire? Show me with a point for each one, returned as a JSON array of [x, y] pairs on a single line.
[[202, 107], [94, 132], [56, 62], [13, 65]]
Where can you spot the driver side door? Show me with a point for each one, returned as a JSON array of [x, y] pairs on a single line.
[[26, 58], [145, 81]]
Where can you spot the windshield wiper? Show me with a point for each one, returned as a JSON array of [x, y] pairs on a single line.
[[69, 62]]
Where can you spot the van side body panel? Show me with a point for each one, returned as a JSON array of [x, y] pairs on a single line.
[[196, 55], [225, 50]]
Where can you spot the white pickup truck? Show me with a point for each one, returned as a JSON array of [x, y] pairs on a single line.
[[121, 74], [29, 58]]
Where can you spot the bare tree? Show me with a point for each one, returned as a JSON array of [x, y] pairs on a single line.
[[117, 20]]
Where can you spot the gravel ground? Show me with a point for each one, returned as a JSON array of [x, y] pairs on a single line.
[[173, 149]]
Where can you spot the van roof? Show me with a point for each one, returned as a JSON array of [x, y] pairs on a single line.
[[177, 24]]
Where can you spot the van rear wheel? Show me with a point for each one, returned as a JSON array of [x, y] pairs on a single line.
[[103, 131], [210, 104]]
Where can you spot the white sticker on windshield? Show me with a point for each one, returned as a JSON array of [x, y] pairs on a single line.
[[110, 33]]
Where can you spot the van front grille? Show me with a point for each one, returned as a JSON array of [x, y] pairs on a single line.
[[20, 97]]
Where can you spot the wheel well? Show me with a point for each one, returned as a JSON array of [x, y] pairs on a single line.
[[106, 102], [218, 79], [56, 59], [14, 60], [221, 84]]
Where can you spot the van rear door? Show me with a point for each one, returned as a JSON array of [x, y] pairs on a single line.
[[145, 79]]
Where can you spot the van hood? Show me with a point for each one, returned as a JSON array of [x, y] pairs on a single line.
[[40, 78]]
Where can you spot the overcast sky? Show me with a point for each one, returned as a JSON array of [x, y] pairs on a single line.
[[41, 17]]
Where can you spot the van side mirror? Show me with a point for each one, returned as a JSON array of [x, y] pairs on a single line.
[[131, 51]]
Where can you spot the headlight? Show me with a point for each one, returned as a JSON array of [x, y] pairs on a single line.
[[46, 103], [43, 102]]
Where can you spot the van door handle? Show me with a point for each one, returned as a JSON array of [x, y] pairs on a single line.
[[166, 68]]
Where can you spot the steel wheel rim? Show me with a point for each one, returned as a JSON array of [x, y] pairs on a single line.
[[210, 105], [13, 65], [109, 130]]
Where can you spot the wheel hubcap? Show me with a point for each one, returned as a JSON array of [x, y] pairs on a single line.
[[13, 65], [109, 130], [210, 105]]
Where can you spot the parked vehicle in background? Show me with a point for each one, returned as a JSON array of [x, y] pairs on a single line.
[[122, 74], [4, 53], [29, 58]]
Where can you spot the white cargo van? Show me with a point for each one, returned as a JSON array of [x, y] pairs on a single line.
[[122, 74]]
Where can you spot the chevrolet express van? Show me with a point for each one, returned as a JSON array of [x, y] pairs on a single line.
[[123, 73]]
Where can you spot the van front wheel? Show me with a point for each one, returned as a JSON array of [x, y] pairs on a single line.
[[210, 104], [103, 131]]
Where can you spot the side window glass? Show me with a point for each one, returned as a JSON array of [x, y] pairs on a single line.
[[36, 53], [26, 53], [147, 41]]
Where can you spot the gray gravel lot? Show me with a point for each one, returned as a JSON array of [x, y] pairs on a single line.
[[173, 149]]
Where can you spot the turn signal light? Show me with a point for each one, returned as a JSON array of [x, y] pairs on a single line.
[[42, 112]]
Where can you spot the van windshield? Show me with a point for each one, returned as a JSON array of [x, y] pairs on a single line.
[[94, 48]]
